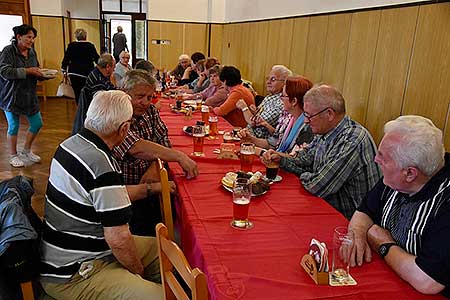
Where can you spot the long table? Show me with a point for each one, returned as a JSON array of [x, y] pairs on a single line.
[[263, 262]]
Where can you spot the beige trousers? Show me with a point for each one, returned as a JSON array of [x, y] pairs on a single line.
[[109, 280]]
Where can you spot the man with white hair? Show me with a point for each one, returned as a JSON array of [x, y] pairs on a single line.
[[87, 250], [406, 216], [338, 165], [269, 110], [184, 61]]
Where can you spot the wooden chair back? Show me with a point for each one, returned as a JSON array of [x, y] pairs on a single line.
[[27, 290], [172, 258], [166, 204]]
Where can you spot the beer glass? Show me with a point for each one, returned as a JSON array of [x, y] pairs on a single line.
[[247, 156], [198, 135], [342, 249], [213, 127], [242, 192], [198, 101], [205, 114], [228, 137], [271, 169]]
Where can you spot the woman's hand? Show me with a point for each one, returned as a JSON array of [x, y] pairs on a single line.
[[34, 71]]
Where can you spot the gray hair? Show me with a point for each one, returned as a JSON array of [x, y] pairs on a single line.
[[105, 60], [107, 111], [136, 77], [145, 65], [283, 70], [420, 143], [184, 56], [122, 54], [323, 95], [80, 34]]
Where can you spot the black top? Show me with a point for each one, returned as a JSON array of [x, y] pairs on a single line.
[[120, 43], [420, 224], [81, 58]]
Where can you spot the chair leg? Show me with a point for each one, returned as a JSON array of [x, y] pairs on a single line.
[[27, 290]]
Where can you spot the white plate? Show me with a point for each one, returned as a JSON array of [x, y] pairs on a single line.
[[190, 102], [227, 188], [277, 179], [190, 133]]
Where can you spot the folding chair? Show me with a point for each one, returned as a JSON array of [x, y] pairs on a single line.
[[171, 257], [166, 204]]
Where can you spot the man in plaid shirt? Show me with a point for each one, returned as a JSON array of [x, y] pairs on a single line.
[[269, 110], [339, 163], [147, 140]]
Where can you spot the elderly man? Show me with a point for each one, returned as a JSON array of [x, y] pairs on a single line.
[[97, 80], [119, 42], [338, 165], [146, 140], [271, 107], [183, 62], [87, 250], [406, 216]]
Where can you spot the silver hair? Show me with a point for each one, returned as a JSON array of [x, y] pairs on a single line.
[[105, 60], [184, 56], [122, 53], [136, 77], [283, 70], [107, 111], [420, 143], [80, 34], [322, 95]]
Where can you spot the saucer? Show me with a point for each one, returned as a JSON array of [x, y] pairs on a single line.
[[277, 179]]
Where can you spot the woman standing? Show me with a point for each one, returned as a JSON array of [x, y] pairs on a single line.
[[19, 72], [80, 59]]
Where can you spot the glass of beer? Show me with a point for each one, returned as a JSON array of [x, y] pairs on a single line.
[[213, 127], [242, 192], [205, 114], [228, 137], [198, 135], [198, 102], [247, 156], [342, 249], [271, 169]]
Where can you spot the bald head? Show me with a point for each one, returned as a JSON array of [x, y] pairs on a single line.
[[323, 95]]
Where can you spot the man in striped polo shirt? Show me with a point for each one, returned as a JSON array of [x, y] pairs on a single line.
[[406, 217], [87, 250]]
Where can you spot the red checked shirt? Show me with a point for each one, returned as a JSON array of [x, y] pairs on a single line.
[[148, 126]]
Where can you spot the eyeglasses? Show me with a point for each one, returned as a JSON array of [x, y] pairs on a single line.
[[310, 117], [273, 79]]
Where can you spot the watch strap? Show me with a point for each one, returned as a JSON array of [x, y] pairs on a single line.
[[383, 250]]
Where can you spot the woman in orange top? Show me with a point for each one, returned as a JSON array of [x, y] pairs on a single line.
[[231, 77]]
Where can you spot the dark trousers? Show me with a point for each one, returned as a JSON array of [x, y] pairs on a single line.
[[146, 214], [77, 84]]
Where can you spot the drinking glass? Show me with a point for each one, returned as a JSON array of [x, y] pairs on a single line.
[[213, 127], [198, 135], [228, 137], [342, 249], [242, 192], [198, 101], [271, 169], [205, 114], [247, 156]]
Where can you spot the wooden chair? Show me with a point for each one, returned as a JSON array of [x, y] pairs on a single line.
[[27, 290], [171, 257], [41, 90], [166, 204]]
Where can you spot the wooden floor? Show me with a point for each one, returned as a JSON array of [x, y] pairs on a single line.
[[58, 115]]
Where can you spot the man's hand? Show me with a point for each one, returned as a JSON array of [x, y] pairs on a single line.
[[156, 187], [361, 250], [258, 121], [377, 235], [188, 165], [272, 155], [245, 135]]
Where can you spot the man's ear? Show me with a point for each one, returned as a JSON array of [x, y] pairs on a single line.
[[411, 174]]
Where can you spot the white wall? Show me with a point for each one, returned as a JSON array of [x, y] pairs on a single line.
[[46, 7], [187, 10], [245, 10], [84, 9]]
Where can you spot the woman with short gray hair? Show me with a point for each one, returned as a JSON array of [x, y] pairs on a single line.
[[79, 60]]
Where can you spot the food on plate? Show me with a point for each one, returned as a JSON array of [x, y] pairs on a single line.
[[259, 184]]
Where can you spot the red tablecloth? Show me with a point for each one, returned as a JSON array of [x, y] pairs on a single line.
[[263, 262]]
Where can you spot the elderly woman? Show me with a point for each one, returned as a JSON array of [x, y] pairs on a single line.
[[122, 68], [217, 92], [291, 129], [231, 77], [183, 62], [19, 73], [80, 59]]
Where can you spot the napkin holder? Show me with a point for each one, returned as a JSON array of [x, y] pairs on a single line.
[[227, 151], [310, 266]]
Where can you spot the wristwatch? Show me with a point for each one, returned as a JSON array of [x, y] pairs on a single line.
[[384, 249]]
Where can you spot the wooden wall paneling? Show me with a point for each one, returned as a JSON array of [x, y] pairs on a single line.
[[336, 49], [195, 38], [170, 53], [216, 41], [258, 48], [92, 28], [232, 44], [391, 65], [49, 46], [154, 51], [360, 61], [226, 36], [279, 43], [316, 47], [428, 89], [299, 45], [67, 33], [243, 62]]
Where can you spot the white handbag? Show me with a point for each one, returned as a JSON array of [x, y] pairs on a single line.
[[65, 88]]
